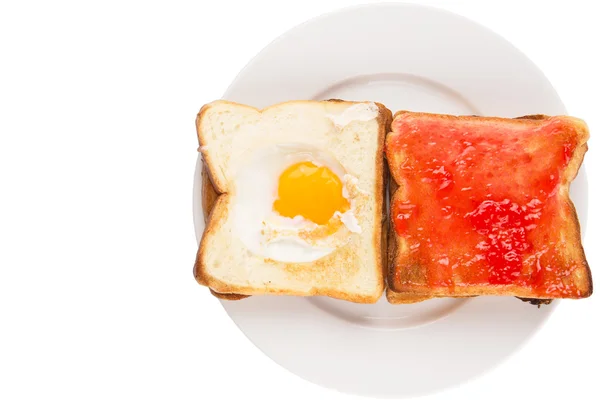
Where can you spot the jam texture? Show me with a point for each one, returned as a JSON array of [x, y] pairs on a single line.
[[480, 202]]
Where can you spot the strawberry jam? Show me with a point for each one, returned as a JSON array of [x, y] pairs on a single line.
[[479, 203]]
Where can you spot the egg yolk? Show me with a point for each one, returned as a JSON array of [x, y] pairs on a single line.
[[311, 191]]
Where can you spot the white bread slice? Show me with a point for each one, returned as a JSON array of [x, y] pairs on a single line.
[[353, 134]]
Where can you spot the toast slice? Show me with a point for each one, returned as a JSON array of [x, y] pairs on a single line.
[[483, 207], [241, 148]]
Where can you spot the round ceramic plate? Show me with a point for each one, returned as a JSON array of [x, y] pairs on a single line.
[[415, 58]]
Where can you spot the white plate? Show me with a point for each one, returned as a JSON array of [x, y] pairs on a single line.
[[408, 57]]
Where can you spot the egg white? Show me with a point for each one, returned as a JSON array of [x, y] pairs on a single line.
[[266, 233]]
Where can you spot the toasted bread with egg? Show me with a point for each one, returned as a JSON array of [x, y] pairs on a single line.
[[483, 207], [256, 241]]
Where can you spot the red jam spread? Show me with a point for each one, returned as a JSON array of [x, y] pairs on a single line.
[[481, 204]]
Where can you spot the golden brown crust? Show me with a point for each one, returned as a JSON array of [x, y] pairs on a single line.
[[382, 178], [399, 293], [394, 297], [209, 194], [343, 257], [585, 283], [229, 297]]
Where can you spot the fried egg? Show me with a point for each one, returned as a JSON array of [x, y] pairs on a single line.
[[294, 203]]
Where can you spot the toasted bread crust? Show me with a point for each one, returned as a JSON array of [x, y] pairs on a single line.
[[382, 184], [229, 297], [398, 293], [394, 297], [214, 203]]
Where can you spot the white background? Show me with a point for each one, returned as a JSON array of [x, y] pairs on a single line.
[[97, 152]]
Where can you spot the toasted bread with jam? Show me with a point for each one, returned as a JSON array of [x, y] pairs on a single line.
[[483, 208]]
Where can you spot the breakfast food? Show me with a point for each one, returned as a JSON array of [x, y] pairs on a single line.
[[482, 207], [298, 199]]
